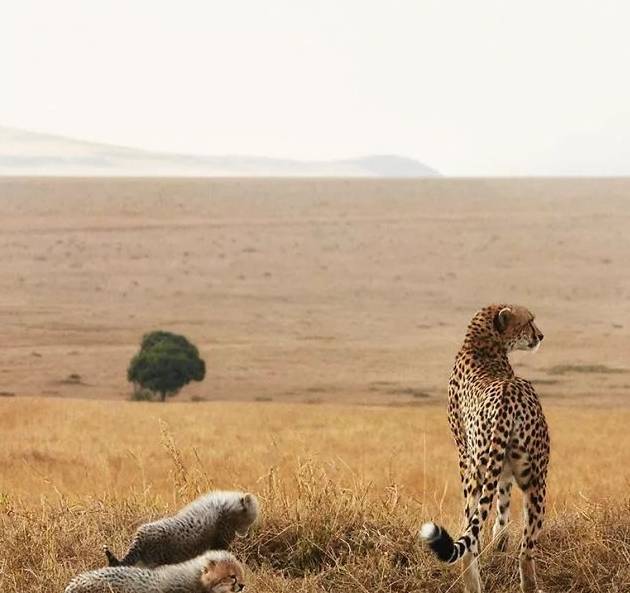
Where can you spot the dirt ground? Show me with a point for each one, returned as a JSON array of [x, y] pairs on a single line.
[[311, 290]]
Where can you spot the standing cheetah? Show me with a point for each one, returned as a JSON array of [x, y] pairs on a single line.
[[501, 436]]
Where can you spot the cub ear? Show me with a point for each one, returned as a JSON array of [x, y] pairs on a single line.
[[501, 319], [208, 576]]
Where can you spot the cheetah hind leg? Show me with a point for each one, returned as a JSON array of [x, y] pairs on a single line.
[[500, 534], [470, 562], [111, 559], [533, 513]]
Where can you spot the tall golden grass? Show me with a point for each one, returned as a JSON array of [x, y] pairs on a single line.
[[343, 490]]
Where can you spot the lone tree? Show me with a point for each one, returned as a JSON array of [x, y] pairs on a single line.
[[165, 363]]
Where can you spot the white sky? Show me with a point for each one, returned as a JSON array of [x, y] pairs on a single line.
[[468, 87]]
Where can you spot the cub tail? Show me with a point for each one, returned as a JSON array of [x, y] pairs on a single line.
[[111, 559]]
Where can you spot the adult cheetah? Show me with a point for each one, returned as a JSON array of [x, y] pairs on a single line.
[[501, 436]]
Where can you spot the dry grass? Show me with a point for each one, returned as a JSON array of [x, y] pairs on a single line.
[[343, 491]]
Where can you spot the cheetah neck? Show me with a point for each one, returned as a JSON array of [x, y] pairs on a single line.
[[486, 347]]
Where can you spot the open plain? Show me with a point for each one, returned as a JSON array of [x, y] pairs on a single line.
[[321, 290], [329, 313]]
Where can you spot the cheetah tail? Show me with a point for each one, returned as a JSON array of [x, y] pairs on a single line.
[[111, 559], [439, 540], [436, 537]]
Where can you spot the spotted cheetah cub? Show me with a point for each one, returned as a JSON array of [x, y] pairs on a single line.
[[208, 523], [216, 571]]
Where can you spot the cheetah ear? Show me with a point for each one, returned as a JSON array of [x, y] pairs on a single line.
[[501, 319], [208, 575]]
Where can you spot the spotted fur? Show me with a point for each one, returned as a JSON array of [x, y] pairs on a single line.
[[216, 571], [210, 522], [501, 437]]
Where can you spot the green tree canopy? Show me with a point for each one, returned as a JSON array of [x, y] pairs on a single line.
[[165, 363]]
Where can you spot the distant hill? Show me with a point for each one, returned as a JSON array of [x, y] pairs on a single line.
[[30, 153]]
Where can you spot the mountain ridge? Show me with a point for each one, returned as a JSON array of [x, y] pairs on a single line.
[[24, 152]]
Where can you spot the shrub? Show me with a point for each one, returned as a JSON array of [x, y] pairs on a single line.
[[165, 363]]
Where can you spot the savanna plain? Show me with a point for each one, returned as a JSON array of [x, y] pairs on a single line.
[[328, 313]]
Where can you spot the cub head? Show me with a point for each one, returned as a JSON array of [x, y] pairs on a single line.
[[516, 328], [246, 511], [222, 573]]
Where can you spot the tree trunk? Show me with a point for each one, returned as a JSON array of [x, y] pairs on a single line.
[[163, 396]]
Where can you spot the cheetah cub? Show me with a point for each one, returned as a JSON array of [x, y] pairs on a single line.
[[216, 571], [210, 522]]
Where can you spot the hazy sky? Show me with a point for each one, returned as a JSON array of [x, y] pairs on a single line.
[[468, 87]]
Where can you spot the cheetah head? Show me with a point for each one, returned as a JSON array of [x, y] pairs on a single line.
[[246, 512], [516, 328], [222, 575]]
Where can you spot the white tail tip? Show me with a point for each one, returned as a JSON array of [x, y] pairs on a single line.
[[429, 532]]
